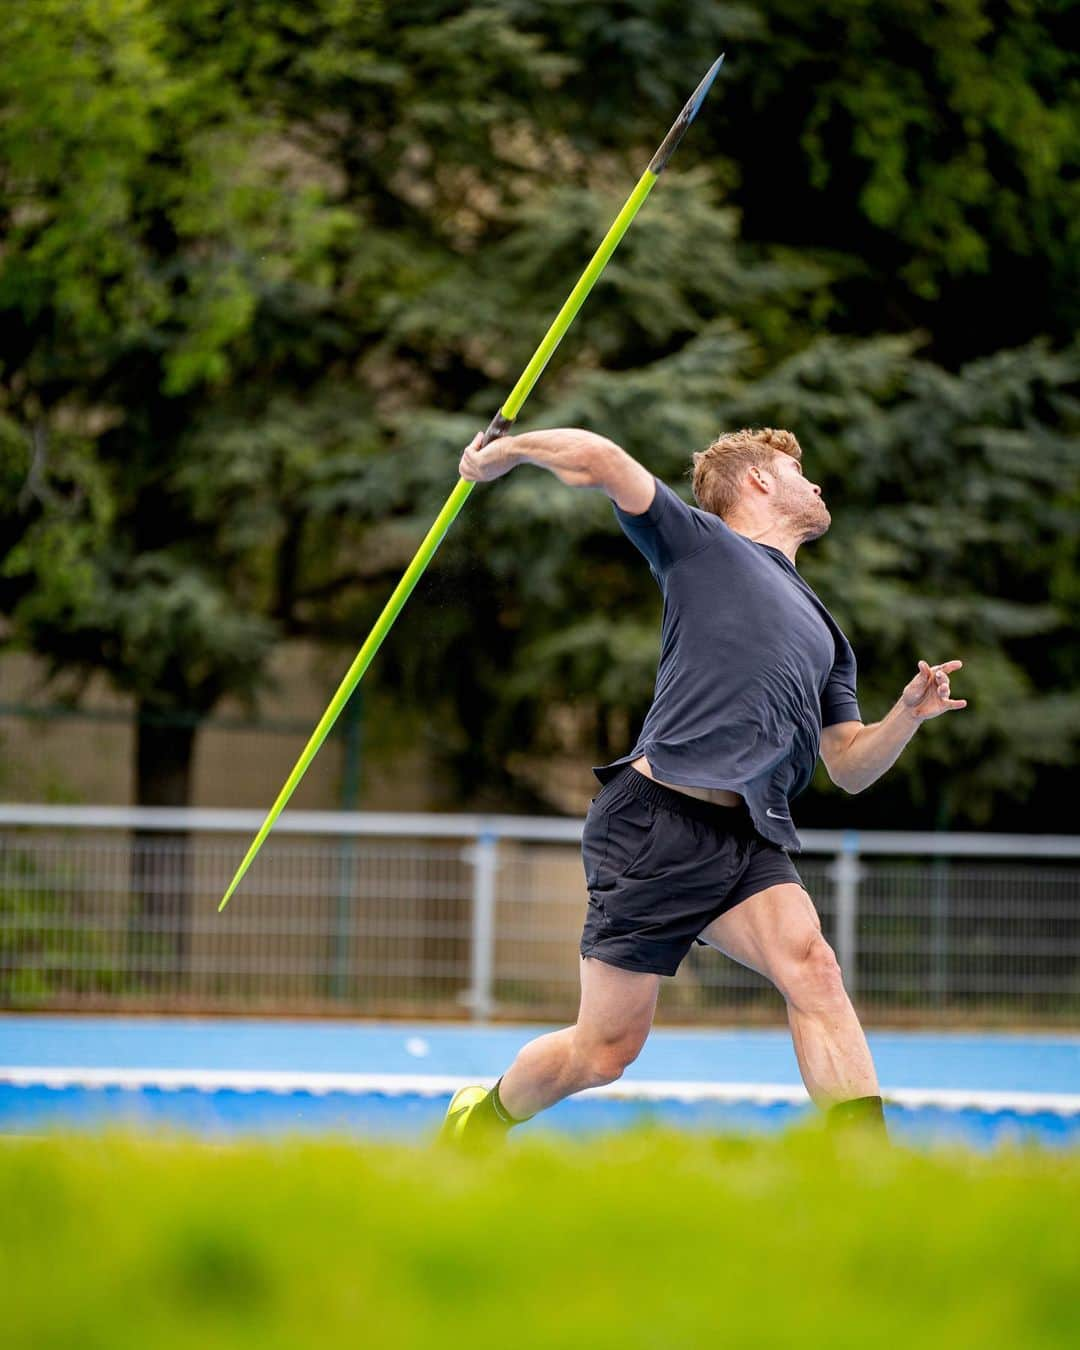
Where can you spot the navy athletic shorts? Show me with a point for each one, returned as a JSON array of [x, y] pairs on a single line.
[[660, 866]]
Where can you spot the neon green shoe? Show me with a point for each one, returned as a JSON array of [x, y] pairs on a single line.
[[462, 1104]]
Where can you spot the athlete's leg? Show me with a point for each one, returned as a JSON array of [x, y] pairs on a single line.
[[614, 1018], [777, 932]]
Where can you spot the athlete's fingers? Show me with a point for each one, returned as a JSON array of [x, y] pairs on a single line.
[[949, 666], [468, 468], [951, 703]]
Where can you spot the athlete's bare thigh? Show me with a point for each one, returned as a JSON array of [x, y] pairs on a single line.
[[617, 1006], [767, 932]]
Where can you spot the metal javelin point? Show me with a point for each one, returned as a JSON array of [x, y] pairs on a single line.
[[500, 424], [678, 131]]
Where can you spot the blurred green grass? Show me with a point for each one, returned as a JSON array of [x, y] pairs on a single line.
[[642, 1240]]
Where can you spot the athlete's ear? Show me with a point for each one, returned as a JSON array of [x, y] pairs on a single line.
[[760, 479]]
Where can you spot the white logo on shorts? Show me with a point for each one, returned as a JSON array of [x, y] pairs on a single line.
[[775, 814]]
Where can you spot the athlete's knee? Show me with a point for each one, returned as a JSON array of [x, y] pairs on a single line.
[[811, 976], [605, 1061]]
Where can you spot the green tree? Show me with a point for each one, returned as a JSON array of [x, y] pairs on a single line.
[[259, 247], [266, 267], [932, 149]]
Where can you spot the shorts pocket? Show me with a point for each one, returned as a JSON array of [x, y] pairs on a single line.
[[617, 842], [594, 844]]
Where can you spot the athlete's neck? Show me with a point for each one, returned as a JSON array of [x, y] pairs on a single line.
[[760, 524], [773, 534]]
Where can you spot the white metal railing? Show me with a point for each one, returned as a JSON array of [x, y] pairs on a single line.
[[556, 829], [855, 877]]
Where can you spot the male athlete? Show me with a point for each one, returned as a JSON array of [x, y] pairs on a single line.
[[689, 835]]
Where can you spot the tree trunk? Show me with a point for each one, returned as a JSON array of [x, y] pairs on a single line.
[[161, 864]]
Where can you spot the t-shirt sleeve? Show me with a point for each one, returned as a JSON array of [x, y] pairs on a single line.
[[838, 700], [669, 530]]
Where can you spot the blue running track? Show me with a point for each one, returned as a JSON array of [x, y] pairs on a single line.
[[220, 1077]]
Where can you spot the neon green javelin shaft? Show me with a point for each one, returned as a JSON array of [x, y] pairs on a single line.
[[576, 298], [460, 494], [443, 521]]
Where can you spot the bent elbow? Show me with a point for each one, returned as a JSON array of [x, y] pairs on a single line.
[[846, 782], [596, 462]]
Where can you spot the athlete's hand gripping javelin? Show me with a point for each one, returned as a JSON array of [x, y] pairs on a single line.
[[496, 458], [568, 452]]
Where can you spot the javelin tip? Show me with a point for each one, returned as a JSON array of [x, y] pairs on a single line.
[[678, 131], [706, 84]]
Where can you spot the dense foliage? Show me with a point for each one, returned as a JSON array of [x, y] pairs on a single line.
[[266, 266]]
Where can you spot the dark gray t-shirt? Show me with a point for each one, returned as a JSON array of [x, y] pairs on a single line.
[[752, 665]]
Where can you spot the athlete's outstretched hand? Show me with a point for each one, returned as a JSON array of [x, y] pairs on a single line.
[[928, 693]]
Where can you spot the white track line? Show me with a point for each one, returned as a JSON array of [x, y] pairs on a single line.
[[439, 1085]]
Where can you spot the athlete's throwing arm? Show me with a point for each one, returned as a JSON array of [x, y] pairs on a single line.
[[577, 458]]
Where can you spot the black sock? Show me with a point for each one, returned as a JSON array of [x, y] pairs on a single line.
[[489, 1116], [865, 1112]]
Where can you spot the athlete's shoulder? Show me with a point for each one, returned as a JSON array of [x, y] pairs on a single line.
[[671, 530]]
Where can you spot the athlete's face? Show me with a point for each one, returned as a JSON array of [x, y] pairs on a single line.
[[798, 501]]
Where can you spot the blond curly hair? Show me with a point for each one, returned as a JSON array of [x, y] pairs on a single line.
[[720, 470]]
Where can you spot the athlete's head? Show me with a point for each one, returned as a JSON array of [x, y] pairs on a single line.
[[755, 474]]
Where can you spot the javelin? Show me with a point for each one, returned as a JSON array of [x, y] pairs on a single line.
[[500, 424]]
